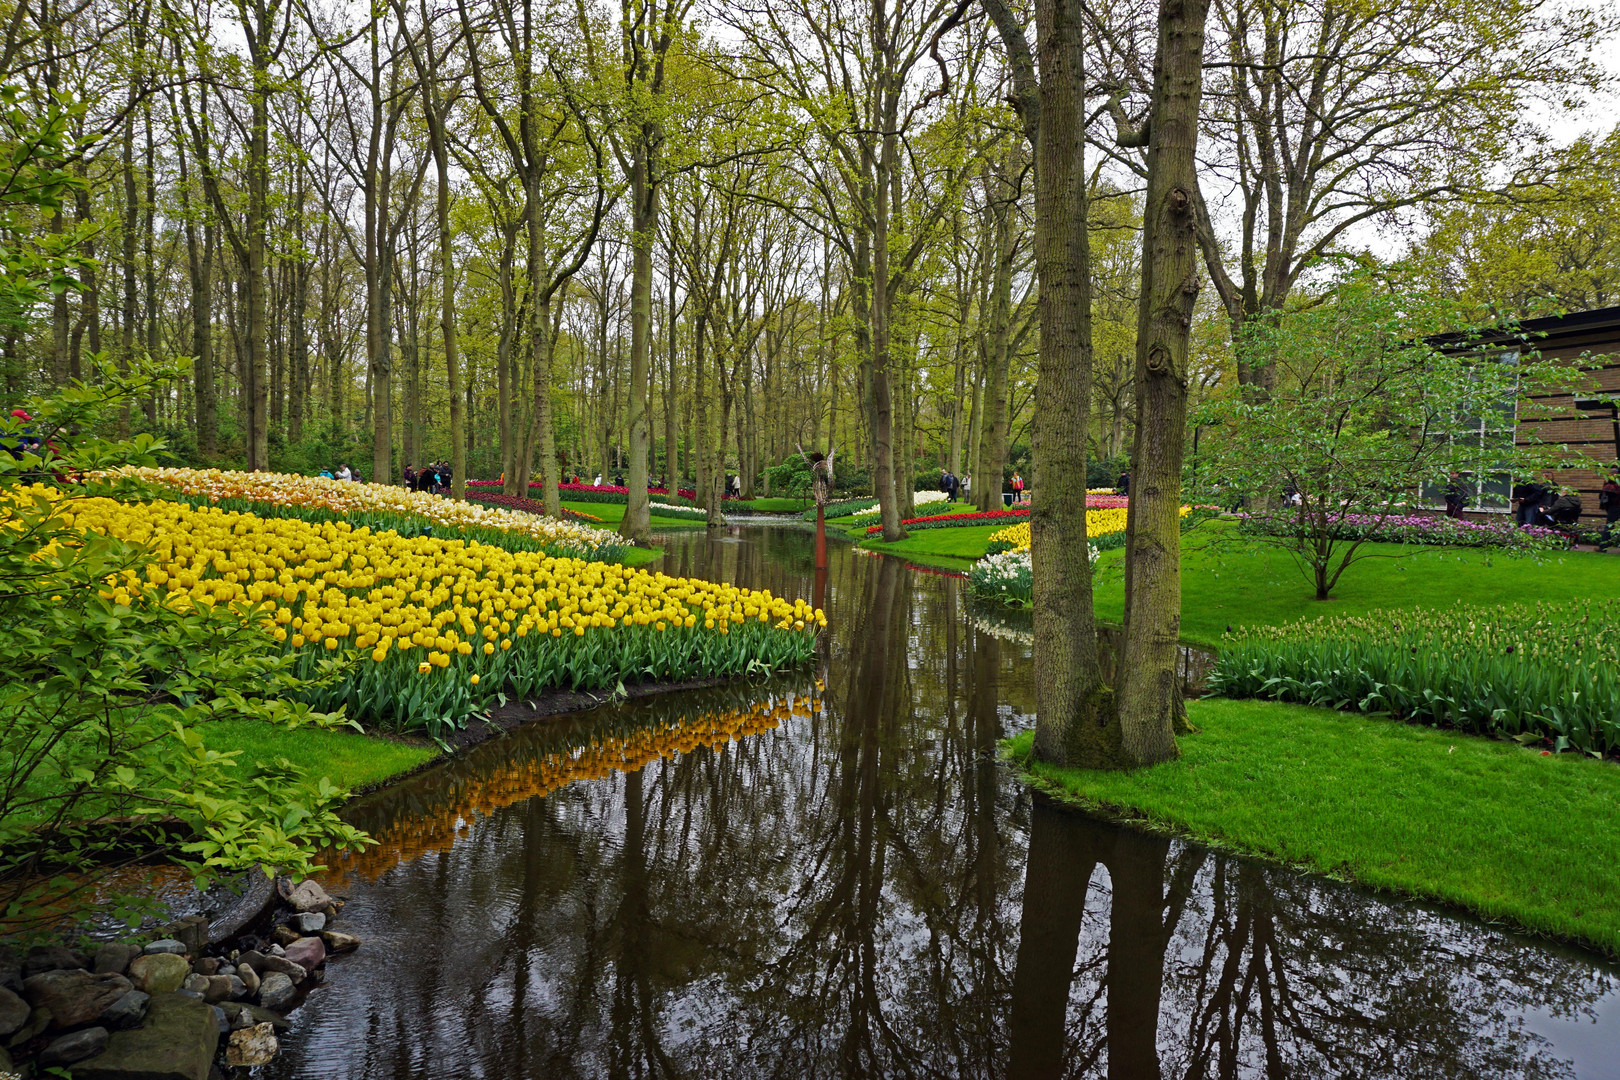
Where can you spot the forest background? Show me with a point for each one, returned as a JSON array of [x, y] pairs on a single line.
[[542, 238]]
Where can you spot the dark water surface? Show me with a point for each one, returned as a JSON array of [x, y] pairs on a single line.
[[831, 876]]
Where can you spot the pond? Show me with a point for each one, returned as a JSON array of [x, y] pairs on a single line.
[[831, 875]]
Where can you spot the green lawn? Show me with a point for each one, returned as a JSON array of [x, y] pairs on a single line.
[[1488, 826], [613, 513], [1229, 582], [347, 757], [965, 542], [771, 506]]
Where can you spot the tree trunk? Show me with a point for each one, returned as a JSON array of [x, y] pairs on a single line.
[[1150, 704], [635, 525], [993, 436], [1075, 721]]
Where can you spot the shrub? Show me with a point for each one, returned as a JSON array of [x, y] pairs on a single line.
[[1414, 529], [106, 693]]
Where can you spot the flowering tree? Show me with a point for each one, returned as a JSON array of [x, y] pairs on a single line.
[[1371, 403]]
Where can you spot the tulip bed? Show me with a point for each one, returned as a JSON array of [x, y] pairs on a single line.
[[957, 521], [527, 506], [1527, 673], [418, 632], [380, 507], [1415, 529], [842, 508]]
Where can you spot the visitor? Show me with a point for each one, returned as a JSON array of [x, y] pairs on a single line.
[[1454, 495], [736, 486], [1122, 486], [343, 472], [1541, 512], [326, 474], [947, 484], [1526, 497], [24, 442], [618, 479], [967, 485], [598, 481], [410, 477], [1018, 487], [1609, 503], [1563, 511]]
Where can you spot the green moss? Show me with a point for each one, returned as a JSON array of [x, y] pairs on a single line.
[[1500, 831]]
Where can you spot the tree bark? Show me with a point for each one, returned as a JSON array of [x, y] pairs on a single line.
[[1150, 704]]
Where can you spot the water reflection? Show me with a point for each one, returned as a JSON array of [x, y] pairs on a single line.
[[852, 886]]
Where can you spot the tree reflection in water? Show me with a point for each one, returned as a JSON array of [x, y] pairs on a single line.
[[850, 885]]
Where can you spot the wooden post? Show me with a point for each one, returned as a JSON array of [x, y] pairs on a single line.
[[821, 538]]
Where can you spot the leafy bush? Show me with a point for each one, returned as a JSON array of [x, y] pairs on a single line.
[[105, 696], [1524, 672]]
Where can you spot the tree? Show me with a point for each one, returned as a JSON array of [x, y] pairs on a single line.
[[1150, 703], [1369, 407], [1554, 246], [1323, 116]]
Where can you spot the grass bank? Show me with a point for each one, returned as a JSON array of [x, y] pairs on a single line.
[[1500, 831], [1230, 581], [346, 757], [613, 513]]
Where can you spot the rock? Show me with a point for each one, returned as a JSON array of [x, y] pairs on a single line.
[[242, 1014], [237, 990], [284, 935], [43, 958], [207, 965], [13, 1012], [6, 1064], [165, 945], [176, 1043], [11, 971], [252, 1046], [70, 1049], [309, 953], [192, 932], [127, 1012], [219, 1019], [197, 984], [274, 950], [114, 958], [250, 979], [306, 896], [310, 922], [337, 941], [220, 988], [252, 958], [74, 997], [158, 973], [295, 972], [276, 991], [226, 969], [38, 1021], [257, 897]]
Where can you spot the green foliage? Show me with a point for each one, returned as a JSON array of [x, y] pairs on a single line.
[[791, 478], [103, 751], [1534, 251], [1367, 410], [1523, 672]]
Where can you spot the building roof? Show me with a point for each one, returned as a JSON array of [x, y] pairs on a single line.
[[1540, 331]]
